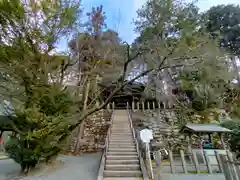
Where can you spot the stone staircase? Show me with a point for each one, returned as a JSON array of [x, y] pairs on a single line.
[[122, 161]]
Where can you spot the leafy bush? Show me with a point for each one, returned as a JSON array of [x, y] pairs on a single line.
[[41, 127], [235, 136]]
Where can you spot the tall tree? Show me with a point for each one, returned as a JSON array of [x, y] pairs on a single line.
[[29, 32], [223, 21], [170, 29]]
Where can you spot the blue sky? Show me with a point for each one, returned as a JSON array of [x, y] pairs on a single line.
[[120, 14]]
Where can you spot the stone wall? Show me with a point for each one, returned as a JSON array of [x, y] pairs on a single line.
[[95, 131], [165, 133], [162, 125]]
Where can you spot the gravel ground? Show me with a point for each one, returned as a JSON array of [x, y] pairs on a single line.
[[72, 168]]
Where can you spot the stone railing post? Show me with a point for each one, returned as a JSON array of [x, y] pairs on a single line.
[[138, 106], [154, 107]]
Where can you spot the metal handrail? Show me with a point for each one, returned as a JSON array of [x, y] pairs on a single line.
[[143, 168], [108, 133], [103, 158]]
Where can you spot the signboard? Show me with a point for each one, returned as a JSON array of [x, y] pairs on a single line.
[[146, 135]]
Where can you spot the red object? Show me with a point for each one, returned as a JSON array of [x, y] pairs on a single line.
[[1, 140]]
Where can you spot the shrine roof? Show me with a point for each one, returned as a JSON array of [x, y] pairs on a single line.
[[205, 128]]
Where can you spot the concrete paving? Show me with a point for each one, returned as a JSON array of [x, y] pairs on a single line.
[[74, 168]]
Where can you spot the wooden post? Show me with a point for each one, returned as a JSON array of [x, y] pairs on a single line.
[[195, 160], [148, 105], [113, 105], [232, 166], [133, 106], [226, 169], [222, 141], [127, 105], [207, 162], [183, 162], [159, 105], [189, 140], [218, 161], [108, 106], [154, 107], [171, 161], [138, 106]]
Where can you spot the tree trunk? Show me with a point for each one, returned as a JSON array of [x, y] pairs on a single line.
[[81, 126]]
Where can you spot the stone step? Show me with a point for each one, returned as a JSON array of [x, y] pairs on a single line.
[[122, 161], [133, 149], [122, 143], [108, 173], [124, 178], [128, 133], [120, 119], [122, 167], [121, 129], [111, 157], [121, 146], [122, 153], [120, 122], [121, 132], [121, 125], [116, 141], [120, 136]]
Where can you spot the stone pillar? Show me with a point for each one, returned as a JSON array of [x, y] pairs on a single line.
[[138, 106], [143, 106]]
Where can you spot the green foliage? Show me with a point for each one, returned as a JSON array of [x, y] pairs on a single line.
[[223, 21], [34, 78], [41, 129], [235, 136]]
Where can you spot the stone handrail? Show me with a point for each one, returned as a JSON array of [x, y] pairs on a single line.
[[103, 158], [142, 165]]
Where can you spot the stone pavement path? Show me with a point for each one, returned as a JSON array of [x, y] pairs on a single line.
[[74, 168]]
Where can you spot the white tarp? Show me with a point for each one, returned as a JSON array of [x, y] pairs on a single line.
[[146, 135]]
